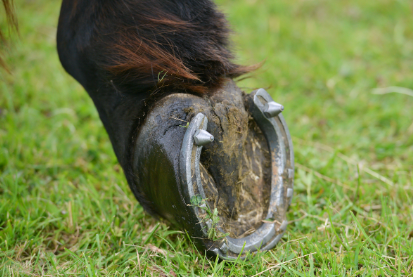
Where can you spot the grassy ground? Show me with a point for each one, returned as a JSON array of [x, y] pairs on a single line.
[[65, 207]]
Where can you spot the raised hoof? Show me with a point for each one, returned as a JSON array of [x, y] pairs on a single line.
[[219, 167]]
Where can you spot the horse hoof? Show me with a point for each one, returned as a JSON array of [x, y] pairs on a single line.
[[219, 167]]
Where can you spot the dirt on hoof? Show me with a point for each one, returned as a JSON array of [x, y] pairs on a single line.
[[235, 169]]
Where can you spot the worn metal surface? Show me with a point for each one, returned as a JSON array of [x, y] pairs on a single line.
[[268, 116]]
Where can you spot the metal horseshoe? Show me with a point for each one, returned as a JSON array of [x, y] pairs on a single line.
[[268, 117]]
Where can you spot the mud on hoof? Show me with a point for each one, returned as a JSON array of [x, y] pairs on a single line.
[[219, 167]]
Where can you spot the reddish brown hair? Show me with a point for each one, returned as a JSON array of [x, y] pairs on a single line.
[[166, 45]]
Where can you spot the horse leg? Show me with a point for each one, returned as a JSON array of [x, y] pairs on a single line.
[[160, 75]]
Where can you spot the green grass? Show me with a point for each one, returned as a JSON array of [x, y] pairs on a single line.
[[65, 207]]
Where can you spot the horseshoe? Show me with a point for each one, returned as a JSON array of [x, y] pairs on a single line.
[[268, 117]]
